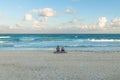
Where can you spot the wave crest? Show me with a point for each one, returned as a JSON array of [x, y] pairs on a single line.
[[4, 36], [104, 40]]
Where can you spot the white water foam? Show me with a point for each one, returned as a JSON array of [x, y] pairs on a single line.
[[4, 36], [104, 40]]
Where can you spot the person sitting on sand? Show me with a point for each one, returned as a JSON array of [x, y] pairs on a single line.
[[57, 49], [62, 50]]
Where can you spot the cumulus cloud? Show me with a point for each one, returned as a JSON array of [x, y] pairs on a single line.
[[88, 27], [79, 25], [101, 25], [102, 21], [47, 12], [37, 23], [76, 21], [28, 17], [19, 24], [70, 11], [115, 22], [11, 27], [6, 28], [38, 18]]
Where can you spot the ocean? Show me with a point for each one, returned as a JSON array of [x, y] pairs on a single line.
[[69, 41]]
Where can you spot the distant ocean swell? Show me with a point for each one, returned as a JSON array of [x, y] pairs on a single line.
[[69, 41], [8, 38]]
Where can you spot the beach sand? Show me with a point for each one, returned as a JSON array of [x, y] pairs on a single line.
[[45, 65]]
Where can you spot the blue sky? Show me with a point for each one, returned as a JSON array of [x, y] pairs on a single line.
[[59, 16]]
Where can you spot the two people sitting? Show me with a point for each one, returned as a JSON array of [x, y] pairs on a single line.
[[60, 50]]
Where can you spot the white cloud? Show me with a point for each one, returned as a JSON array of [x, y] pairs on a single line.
[[76, 21], [28, 17], [40, 16], [38, 20], [102, 21], [47, 12], [7, 28], [88, 27], [115, 22], [19, 24], [37, 24], [11, 27], [34, 11], [70, 11], [79, 25], [40, 23]]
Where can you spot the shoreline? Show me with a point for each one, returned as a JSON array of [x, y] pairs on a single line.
[[67, 50]]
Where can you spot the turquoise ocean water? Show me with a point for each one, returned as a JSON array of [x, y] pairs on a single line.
[[50, 41]]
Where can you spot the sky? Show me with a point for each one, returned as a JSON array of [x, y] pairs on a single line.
[[60, 16]]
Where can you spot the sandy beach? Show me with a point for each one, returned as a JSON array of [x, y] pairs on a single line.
[[45, 65]]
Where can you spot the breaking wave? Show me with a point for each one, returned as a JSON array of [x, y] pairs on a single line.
[[104, 40]]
